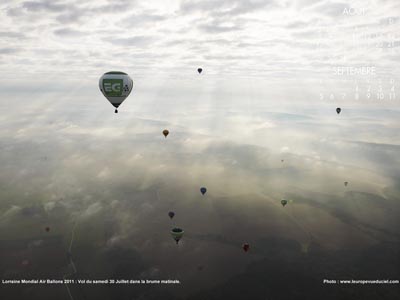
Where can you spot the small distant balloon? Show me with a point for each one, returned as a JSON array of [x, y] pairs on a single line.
[[246, 247], [346, 183], [282, 160], [284, 202], [165, 132], [47, 229], [203, 190], [25, 262], [199, 70], [171, 214], [177, 234], [200, 268], [338, 110]]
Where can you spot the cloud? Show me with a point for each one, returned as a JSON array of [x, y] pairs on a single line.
[[92, 210], [285, 149], [43, 6], [12, 34], [137, 41], [252, 34], [12, 211], [9, 50], [228, 8], [330, 8], [147, 18], [68, 32], [218, 27]]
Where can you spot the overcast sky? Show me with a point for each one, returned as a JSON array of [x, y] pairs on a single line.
[[244, 38]]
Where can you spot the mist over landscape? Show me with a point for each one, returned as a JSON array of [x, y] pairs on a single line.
[[85, 193]]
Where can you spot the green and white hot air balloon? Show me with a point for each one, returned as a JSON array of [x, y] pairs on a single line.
[[177, 234], [116, 87]]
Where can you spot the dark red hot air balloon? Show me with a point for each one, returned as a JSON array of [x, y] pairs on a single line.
[[246, 247]]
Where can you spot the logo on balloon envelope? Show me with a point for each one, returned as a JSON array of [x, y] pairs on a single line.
[[113, 87]]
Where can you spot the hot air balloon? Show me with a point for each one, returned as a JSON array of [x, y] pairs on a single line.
[[171, 214], [346, 183], [338, 110], [199, 70], [165, 132], [177, 234], [25, 262], [246, 247], [47, 229], [283, 202], [203, 190], [116, 87], [282, 160]]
